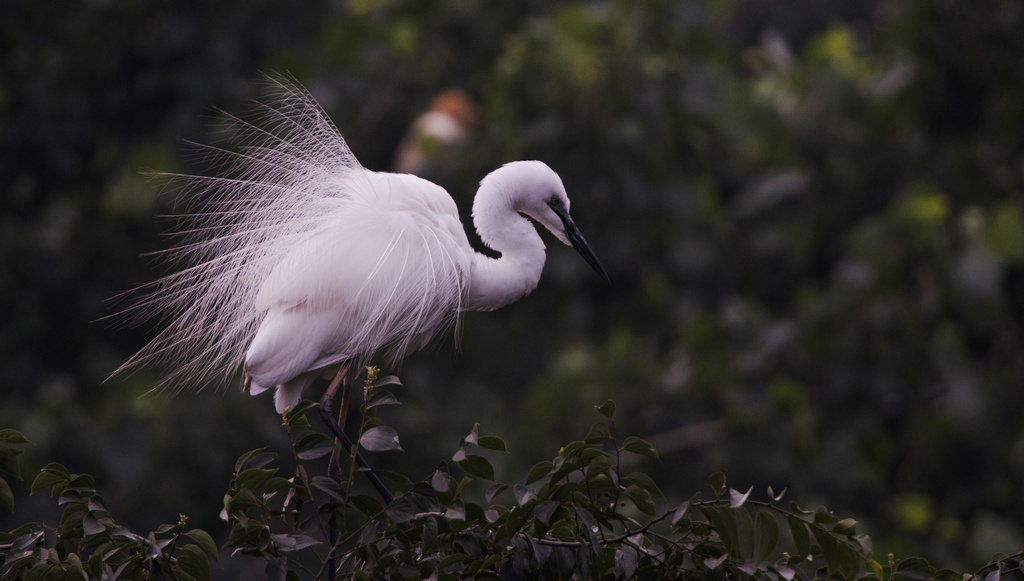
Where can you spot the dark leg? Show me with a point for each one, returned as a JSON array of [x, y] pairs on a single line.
[[333, 465], [332, 424], [326, 401]]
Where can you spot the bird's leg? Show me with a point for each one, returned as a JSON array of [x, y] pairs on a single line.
[[333, 467], [346, 391], [334, 463], [328, 418]]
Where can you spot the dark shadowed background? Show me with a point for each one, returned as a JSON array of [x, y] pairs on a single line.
[[812, 214]]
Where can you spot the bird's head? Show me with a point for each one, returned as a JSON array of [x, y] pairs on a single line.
[[541, 196]]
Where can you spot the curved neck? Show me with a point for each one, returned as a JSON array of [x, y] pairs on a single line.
[[496, 282]]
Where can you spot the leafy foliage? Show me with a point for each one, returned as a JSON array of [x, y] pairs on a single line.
[[9, 463], [88, 543], [812, 212], [576, 516]]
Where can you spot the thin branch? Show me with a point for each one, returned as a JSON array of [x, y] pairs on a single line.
[[611, 541]]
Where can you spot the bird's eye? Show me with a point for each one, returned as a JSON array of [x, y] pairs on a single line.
[[556, 204]]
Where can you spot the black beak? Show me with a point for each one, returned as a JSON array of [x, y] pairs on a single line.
[[581, 246]]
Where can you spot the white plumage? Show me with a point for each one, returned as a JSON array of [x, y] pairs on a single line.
[[298, 260]]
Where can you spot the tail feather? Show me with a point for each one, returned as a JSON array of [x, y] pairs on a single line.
[[289, 392]]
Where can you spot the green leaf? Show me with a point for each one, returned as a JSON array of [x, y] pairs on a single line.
[[92, 527], [590, 528], [523, 494], [244, 500], [805, 515], [641, 498], [716, 482], [539, 470], [452, 560], [254, 478], [846, 526], [951, 575], [328, 485], [277, 484], [477, 466], [258, 458], [644, 481], [368, 505], [245, 532], [607, 409], [76, 562], [380, 439], [455, 513], [296, 416], [400, 511], [713, 563], [439, 481], [680, 512], [80, 481], [193, 562], [312, 445], [599, 433], [766, 535], [9, 436], [639, 446], [383, 397], [389, 380], [297, 419], [9, 461], [625, 562], [492, 443], [205, 542], [599, 467], [475, 514], [849, 559], [495, 490], [829, 549], [6, 495], [481, 564], [745, 532], [801, 538], [723, 520], [914, 568], [544, 510], [574, 449], [52, 475], [823, 516]]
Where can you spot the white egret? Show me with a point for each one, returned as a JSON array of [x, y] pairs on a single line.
[[298, 262]]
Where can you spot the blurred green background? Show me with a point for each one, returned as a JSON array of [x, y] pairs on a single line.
[[812, 214]]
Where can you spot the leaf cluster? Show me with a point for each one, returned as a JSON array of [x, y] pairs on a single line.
[[577, 515], [88, 543]]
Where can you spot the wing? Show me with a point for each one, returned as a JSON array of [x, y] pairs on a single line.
[[376, 280], [282, 173]]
